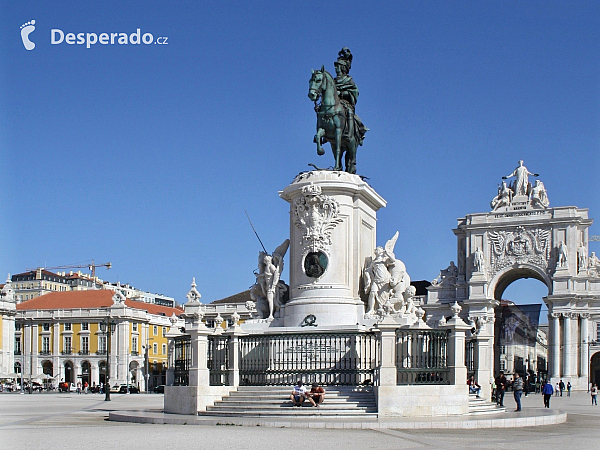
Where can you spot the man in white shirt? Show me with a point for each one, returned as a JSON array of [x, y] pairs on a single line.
[[298, 394]]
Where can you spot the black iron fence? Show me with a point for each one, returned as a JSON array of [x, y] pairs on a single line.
[[218, 360], [421, 357], [325, 358], [183, 360], [470, 357]]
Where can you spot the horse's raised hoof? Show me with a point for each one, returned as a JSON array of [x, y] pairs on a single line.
[[320, 152]]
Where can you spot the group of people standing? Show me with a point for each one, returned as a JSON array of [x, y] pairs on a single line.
[[547, 389]]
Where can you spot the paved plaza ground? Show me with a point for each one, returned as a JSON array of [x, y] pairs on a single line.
[[71, 421]]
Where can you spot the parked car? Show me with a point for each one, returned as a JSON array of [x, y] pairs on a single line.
[[132, 389], [115, 389], [67, 387], [160, 389]]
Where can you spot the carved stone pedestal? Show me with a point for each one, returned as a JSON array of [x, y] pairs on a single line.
[[332, 231]]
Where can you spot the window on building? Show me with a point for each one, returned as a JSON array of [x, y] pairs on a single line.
[[67, 347], [17, 346], [45, 344], [85, 345], [134, 345], [164, 349], [164, 331], [46, 326], [503, 349], [17, 327], [502, 365], [134, 327], [67, 327], [17, 367], [598, 332], [85, 326], [155, 348], [210, 323], [155, 330], [102, 344]]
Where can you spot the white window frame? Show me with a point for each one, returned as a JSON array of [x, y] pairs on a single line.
[[85, 344]]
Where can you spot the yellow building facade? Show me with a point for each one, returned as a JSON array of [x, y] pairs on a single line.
[[63, 336]]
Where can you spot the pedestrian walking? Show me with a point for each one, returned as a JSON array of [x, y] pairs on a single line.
[[557, 389], [561, 387], [501, 385], [594, 392], [517, 390], [568, 388], [547, 391]]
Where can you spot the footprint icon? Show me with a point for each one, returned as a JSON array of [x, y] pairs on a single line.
[[26, 30]]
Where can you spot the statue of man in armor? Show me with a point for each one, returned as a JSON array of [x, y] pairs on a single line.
[[348, 93]]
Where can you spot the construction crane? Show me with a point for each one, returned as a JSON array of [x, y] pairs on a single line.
[[91, 267]]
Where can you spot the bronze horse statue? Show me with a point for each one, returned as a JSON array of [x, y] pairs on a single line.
[[333, 125]]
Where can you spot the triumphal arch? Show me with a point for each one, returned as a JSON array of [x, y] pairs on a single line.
[[524, 237]]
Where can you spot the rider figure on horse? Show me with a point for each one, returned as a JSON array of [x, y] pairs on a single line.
[[348, 93]]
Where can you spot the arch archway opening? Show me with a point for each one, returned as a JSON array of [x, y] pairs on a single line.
[[69, 372], [595, 368], [520, 330]]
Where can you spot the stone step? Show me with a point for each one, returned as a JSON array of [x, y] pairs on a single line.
[[332, 389], [279, 401], [286, 395], [479, 405], [288, 404], [296, 412], [274, 402]]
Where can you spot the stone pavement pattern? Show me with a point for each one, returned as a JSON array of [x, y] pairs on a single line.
[[69, 421]]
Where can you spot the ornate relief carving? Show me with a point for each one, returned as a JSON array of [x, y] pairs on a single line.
[[519, 246], [316, 215]]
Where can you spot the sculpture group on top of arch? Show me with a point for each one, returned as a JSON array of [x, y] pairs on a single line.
[[520, 194]]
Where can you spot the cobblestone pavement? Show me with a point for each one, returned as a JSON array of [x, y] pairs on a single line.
[[71, 421]]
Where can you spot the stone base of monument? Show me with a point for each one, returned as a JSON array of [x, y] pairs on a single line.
[[192, 399], [333, 218], [422, 401]]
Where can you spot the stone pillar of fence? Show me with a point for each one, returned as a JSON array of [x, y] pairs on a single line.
[[481, 358], [194, 397], [388, 374], [234, 332], [456, 347]]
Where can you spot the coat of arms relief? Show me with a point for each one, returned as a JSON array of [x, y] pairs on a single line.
[[316, 215], [520, 246]]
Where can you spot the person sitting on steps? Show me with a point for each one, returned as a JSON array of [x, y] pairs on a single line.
[[316, 395], [298, 394], [474, 388]]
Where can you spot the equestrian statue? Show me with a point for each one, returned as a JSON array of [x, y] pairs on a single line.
[[337, 122]]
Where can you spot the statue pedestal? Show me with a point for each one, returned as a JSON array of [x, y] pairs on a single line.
[[332, 230]]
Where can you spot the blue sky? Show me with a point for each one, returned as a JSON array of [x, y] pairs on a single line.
[[148, 155]]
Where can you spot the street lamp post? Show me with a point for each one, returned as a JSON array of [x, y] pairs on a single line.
[[146, 360], [107, 327]]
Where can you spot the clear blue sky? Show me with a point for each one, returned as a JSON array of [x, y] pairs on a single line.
[[148, 155]]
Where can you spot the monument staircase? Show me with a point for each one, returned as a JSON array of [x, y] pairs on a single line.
[[479, 405], [274, 401]]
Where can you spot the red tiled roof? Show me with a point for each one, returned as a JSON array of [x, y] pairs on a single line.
[[90, 299]]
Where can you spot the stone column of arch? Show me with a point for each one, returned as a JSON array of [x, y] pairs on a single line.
[[567, 346], [554, 363], [584, 350]]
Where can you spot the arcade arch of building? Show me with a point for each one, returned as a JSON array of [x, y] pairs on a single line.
[[525, 238]]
